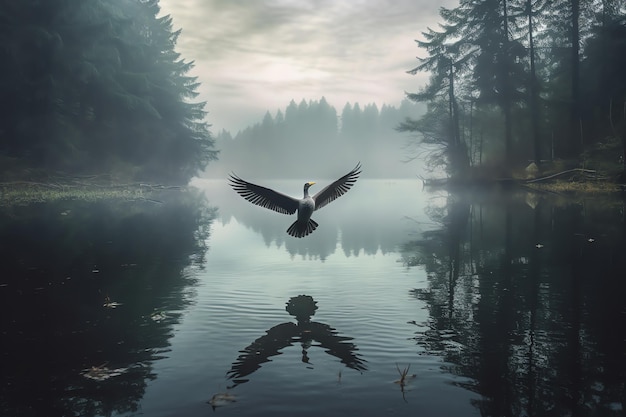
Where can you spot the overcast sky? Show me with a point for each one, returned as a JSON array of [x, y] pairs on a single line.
[[257, 55]]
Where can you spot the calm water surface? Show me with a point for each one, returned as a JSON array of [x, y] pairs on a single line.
[[200, 303]]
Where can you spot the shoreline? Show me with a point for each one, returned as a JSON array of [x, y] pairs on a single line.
[[24, 192]]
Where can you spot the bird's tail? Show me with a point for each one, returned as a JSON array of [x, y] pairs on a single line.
[[299, 229]]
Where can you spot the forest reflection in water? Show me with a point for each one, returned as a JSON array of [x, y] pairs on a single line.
[[500, 304], [526, 296], [90, 292]]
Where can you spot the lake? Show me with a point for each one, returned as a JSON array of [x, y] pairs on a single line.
[[403, 302]]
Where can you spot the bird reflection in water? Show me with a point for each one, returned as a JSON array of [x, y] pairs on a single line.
[[305, 332]]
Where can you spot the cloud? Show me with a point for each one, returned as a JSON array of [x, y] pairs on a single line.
[[253, 56]]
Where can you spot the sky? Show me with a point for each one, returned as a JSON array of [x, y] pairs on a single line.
[[254, 56]]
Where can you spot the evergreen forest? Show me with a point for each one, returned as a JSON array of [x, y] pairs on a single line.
[[96, 87], [519, 81], [312, 133]]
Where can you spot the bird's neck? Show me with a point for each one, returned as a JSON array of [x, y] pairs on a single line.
[[306, 192]]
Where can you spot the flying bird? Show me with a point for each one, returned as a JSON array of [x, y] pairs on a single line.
[[273, 200]]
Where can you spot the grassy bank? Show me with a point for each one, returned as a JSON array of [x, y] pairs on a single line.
[[28, 192], [576, 187], [22, 184]]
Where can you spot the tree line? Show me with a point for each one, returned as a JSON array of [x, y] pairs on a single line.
[[514, 81], [97, 87], [285, 143]]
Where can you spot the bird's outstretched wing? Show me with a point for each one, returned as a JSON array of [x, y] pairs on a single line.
[[264, 197], [337, 188]]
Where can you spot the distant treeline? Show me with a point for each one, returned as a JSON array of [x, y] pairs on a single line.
[[520, 80], [97, 87], [312, 133]]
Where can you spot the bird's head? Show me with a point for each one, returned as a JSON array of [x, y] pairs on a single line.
[[307, 185]]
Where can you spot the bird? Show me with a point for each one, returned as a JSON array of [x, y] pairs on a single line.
[[282, 203]]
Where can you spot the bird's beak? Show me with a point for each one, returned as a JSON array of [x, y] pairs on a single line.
[[311, 183]]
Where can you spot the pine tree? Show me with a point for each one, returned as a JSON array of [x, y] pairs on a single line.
[[98, 86]]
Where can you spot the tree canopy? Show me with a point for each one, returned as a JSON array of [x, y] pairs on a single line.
[[97, 87], [523, 80]]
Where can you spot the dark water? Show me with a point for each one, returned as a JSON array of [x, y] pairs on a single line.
[[498, 305]]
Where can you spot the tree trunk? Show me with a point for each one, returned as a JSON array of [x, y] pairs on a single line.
[[506, 88], [576, 131], [458, 150], [532, 88]]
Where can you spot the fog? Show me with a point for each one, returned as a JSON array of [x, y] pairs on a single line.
[[312, 140]]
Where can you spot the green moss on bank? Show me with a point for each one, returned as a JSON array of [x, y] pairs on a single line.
[[23, 193], [574, 187], [20, 194]]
